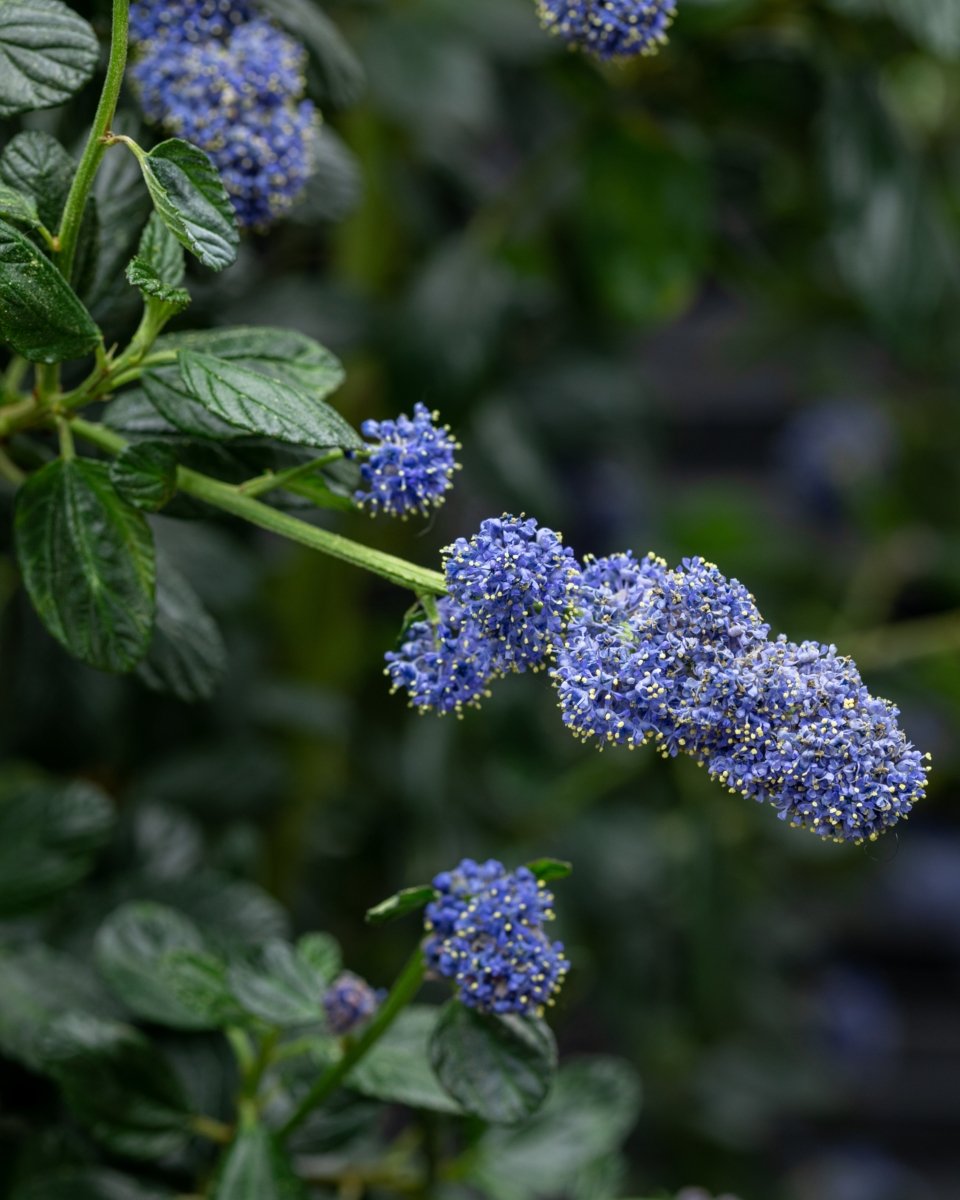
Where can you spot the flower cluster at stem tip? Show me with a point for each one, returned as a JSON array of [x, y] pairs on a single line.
[[680, 658], [609, 29], [485, 933], [349, 1003], [232, 83], [410, 465]]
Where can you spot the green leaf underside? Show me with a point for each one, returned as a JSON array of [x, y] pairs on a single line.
[[252, 402], [118, 1085], [498, 1068], [158, 268], [256, 1168], [190, 199], [41, 317], [282, 354], [156, 961], [187, 657], [88, 564], [15, 206], [550, 868], [50, 833], [407, 900], [280, 985], [145, 475], [47, 52], [397, 1069]]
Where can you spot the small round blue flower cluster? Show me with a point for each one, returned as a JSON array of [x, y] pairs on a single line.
[[683, 658], [609, 28], [232, 83], [411, 466], [485, 933], [516, 580], [349, 1003]]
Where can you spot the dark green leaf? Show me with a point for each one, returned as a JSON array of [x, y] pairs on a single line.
[[39, 985], [145, 475], [498, 1068], [15, 206], [321, 953], [118, 1085], [187, 657], [168, 394], [407, 900], [156, 961], [158, 268], [88, 563], [593, 1105], [341, 79], [50, 833], [550, 868], [397, 1069], [36, 165], [89, 1183], [256, 1168], [282, 354], [41, 317], [259, 405], [190, 198], [279, 985], [47, 52]]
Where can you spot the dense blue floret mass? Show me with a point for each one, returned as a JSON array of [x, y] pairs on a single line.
[[515, 581], [232, 84], [485, 933], [609, 28], [349, 1003], [445, 666], [410, 467], [683, 658]]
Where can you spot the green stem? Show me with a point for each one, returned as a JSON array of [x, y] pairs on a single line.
[[9, 469], [95, 147], [65, 434], [12, 378], [270, 480], [403, 991], [212, 1130], [229, 499]]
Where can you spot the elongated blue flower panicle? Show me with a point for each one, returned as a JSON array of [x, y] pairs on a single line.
[[233, 84], [609, 29], [485, 933], [349, 1003], [516, 581], [410, 466], [444, 667], [804, 734]]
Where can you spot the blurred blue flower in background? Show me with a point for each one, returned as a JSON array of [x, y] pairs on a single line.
[[349, 1003], [232, 84], [609, 28]]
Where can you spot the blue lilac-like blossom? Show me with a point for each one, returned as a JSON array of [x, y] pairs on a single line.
[[410, 467], [485, 933], [609, 29], [233, 84], [515, 581], [349, 1003], [444, 666], [683, 658]]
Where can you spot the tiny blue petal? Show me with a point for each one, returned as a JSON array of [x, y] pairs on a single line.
[[609, 28], [410, 466]]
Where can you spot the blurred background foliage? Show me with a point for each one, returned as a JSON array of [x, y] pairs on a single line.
[[709, 304]]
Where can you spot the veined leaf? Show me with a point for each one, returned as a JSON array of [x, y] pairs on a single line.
[[397, 1069], [88, 563], [47, 52], [145, 475], [158, 267], [40, 315], [256, 1168], [15, 206]]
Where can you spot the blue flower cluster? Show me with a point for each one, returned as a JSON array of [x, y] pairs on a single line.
[[410, 467], [680, 658], [349, 1003], [609, 28], [511, 589], [683, 658], [485, 933], [232, 83]]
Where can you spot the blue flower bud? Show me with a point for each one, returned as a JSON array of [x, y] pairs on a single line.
[[349, 1003]]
